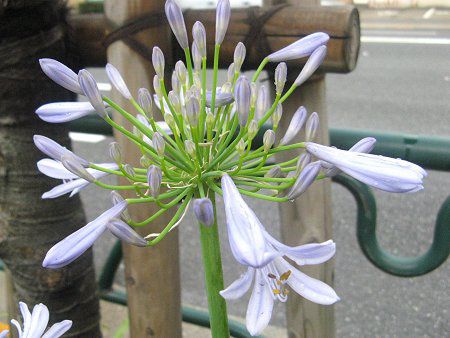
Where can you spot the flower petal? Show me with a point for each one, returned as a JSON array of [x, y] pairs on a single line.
[[58, 329], [74, 245], [26, 315], [39, 321], [123, 231], [246, 238], [53, 149], [65, 188], [259, 310], [4, 333], [58, 112], [17, 325], [312, 289], [240, 286]]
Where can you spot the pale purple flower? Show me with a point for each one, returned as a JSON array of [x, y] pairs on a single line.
[[74, 245], [61, 74], [145, 101], [124, 232], [223, 12], [154, 179], [304, 180], [280, 77], [295, 126], [222, 98], [245, 234], [384, 173], [176, 22], [71, 164], [118, 81], [249, 240], [71, 183], [312, 125], [55, 150], [364, 145], [203, 210], [59, 112], [242, 96], [300, 48], [90, 89], [158, 61], [199, 34], [314, 62], [239, 56], [35, 323], [262, 102]]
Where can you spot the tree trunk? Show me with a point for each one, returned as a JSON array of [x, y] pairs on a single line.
[[29, 226]]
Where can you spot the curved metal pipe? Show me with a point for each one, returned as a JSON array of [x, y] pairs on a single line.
[[368, 242]]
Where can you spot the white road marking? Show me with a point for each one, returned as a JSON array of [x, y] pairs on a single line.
[[429, 13], [87, 138], [405, 40]]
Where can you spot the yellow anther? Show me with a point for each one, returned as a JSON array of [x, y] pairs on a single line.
[[285, 275], [276, 291]]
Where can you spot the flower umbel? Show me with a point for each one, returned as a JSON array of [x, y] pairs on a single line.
[[205, 146]]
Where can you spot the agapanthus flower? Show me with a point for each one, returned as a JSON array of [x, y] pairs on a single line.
[[35, 323], [263, 255], [384, 173]]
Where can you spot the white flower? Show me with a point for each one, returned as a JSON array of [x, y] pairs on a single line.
[[249, 239], [59, 112], [35, 323], [71, 183], [384, 173]]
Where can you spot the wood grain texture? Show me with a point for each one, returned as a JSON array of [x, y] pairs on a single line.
[[152, 274]]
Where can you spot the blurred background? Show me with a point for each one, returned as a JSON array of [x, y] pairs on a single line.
[[401, 84]]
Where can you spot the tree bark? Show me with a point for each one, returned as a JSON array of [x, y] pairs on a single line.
[[29, 226]]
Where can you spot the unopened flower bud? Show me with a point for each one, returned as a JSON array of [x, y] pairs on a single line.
[[295, 125], [304, 180], [302, 162], [129, 170], [75, 167], [274, 172], [193, 111], [116, 199], [168, 118], [240, 147], [242, 95], [230, 72], [176, 85], [115, 153], [312, 124], [61, 74], [252, 129], [239, 56], [154, 179], [176, 21], [89, 87], [197, 82], [276, 115], [190, 147], [268, 139], [223, 12], [117, 81], [158, 61], [136, 132], [181, 71], [314, 61], [262, 102], [157, 87], [145, 101], [124, 232], [280, 77], [145, 161], [300, 48], [226, 88], [199, 34], [196, 58], [158, 143], [203, 210], [174, 101]]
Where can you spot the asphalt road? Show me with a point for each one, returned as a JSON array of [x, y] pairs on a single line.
[[400, 85]]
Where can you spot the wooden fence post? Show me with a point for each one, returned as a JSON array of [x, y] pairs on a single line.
[[308, 219], [152, 274]]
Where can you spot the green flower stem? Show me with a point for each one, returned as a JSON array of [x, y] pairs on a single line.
[[288, 93], [172, 222], [214, 84], [114, 187], [265, 186], [214, 186], [202, 119], [159, 212], [269, 112], [212, 263], [225, 153], [172, 193], [187, 53], [264, 179], [260, 68], [178, 122], [105, 170]]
